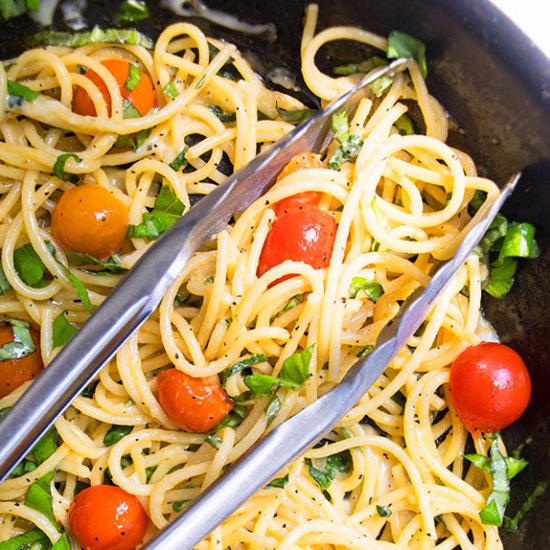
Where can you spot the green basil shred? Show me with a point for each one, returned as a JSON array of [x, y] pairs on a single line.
[[59, 167], [62, 330], [372, 289], [22, 343], [350, 144], [133, 10], [131, 37], [170, 90], [296, 116], [134, 77]]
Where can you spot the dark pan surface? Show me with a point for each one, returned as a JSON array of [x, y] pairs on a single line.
[[496, 85]]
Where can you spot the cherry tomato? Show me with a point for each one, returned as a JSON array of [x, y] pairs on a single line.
[[14, 372], [142, 96], [194, 404], [303, 234], [299, 162], [489, 387], [90, 220], [105, 517]]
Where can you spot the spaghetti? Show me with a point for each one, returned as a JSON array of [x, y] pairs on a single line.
[[392, 474]]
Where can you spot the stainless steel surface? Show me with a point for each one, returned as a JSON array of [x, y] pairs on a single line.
[[140, 292], [289, 440]]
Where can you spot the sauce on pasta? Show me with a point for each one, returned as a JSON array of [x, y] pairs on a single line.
[[392, 474]]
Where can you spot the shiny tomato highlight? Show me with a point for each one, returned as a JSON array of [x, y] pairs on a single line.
[[489, 387], [91, 220], [302, 234], [194, 404], [105, 517]]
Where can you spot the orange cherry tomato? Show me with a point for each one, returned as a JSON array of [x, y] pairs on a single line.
[[489, 387], [302, 161], [105, 517], [194, 404], [142, 96], [90, 220], [303, 234], [14, 372]]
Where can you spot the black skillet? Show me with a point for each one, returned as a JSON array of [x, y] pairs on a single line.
[[496, 85]]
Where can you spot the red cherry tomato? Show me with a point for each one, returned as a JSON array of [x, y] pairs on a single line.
[[14, 372], [194, 404], [303, 234], [299, 162], [489, 387], [89, 219], [105, 517], [142, 96]]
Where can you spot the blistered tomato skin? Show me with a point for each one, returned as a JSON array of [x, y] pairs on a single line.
[[489, 386], [302, 234], [15, 372], [89, 219], [195, 404], [105, 517], [142, 96]]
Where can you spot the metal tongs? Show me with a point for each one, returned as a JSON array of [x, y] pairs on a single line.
[[139, 293]]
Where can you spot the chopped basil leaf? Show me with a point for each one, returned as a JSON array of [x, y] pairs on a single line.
[[278, 482], [132, 11], [350, 145], [294, 373], [511, 241], [32, 5], [335, 464], [168, 202], [363, 67], [46, 446], [18, 93], [4, 283], [263, 385], [115, 434], [497, 230], [291, 304], [365, 351], [134, 77], [79, 287], [340, 126], [323, 479], [296, 367], [89, 390], [213, 440], [234, 418], [501, 277], [512, 524], [224, 117], [383, 511], [129, 111], [502, 469], [404, 45], [180, 161], [170, 90], [381, 85], [296, 116], [59, 167], [29, 266], [178, 505], [131, 37], [12, 8], [39, 497], [399, 398], [477, 200], [166, 212], [32, 540], [372, 289], [109, 266], [241, 365], [272, 410], [22, 343], [519, 242], [224, 73], [405, 125], [62, 330]]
